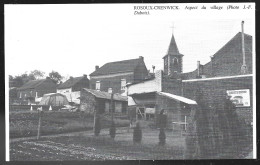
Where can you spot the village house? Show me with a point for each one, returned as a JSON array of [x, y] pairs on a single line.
[[30, 91], [113, 76], [72, 87], [100, 102]]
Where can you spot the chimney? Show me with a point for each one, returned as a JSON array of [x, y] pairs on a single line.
[[85, 76], [97, 67], [141, 57], [198, 68], [153, 68], [243, 67], [212, 65], [71, 77]]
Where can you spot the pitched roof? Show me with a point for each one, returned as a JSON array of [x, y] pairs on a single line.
[[117, 67], [173, 48], [178, 98], [106, 95], [32, 84], [234, 41], [231, 48], [70, 82]]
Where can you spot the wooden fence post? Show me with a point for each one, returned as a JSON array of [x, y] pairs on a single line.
[[39, 124]]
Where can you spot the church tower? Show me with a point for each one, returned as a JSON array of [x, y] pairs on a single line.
[[173, 59]]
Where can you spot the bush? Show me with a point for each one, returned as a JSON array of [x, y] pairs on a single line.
[[97, 126], [162, 137], [112, 130], [137, 134]]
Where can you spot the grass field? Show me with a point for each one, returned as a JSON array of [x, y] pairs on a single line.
[[25, 123], [85, 146]]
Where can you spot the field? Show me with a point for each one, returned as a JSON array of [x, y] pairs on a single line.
[[25, 123], [63, 141], [85, 146]]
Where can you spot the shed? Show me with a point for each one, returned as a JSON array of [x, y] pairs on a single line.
[[91, 100]]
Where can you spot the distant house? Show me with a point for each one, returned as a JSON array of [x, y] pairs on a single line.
[[113, 76], [34, 89], [72, 87], [93, 100]]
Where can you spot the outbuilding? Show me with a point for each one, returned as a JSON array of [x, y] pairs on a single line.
[[93, 100]]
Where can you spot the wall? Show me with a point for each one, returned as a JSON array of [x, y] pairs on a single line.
[[214, 91], [140, 72], [63, 91], [87, 102], [83, 83], [172, 86], [154, 85], [113, 82], [172, 109]]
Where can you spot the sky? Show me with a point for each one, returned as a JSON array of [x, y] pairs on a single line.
[[73, 38]]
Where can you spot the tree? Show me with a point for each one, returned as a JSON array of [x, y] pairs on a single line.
[[56, 77], [137, 134], [37, 74], [97, 126], [162, 137], [20, 80], [112, 130]]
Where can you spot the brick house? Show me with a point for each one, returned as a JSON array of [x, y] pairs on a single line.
[[72, 87], [222, 75], [35, 89], [227, 61], [113, 76]]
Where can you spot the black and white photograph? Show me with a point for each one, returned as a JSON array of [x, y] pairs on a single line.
[[159, 81]]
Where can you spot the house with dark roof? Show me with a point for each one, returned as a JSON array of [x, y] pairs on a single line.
[[113, 76], [72, 87], [35, 89]]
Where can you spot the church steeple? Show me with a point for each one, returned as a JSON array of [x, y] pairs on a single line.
[[173, 49], [173, 59]]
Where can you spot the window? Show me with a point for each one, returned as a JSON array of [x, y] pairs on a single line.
[[20, 95], [97, 85], [175, 60], [123, 84]]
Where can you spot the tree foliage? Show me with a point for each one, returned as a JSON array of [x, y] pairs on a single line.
[[20, 80], [37, 74], [56, 77], [214, 130]]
